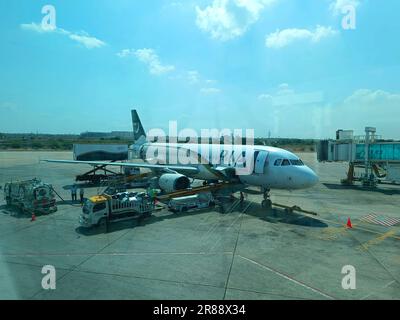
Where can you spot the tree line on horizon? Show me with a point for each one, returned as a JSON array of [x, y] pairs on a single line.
[[65, 141]]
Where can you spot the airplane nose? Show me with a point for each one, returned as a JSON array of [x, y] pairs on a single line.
[[306, 178], [312, 178]]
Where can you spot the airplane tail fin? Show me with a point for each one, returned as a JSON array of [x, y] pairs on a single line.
[[138, 132]]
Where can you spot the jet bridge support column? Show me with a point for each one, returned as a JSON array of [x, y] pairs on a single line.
[[369, 179], [350, 175]]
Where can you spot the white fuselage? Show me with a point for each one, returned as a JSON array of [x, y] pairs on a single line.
[[264, 166]]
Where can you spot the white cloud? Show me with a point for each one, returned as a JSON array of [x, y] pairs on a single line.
[[284, 95], [377, 98], [284, 89], [7, 106], [126, 53], [360, 108], [365, 107], [283, 38], [209, 91], [193, 76], [228, 19], [88, 41], [148, 57], [336, 6], [36, 27], [283, 86], [264, 96], [175, 5], [83, 37]]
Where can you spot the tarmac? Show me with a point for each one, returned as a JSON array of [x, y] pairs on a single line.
[[246, 253]]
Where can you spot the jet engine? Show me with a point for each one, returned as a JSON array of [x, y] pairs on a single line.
[[170, 182]]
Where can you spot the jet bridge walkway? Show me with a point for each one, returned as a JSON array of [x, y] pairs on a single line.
[[380, 159]]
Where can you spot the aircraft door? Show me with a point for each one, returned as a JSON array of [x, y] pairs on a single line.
[[261, 159]]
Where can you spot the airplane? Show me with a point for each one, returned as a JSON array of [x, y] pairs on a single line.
[[268, 167]]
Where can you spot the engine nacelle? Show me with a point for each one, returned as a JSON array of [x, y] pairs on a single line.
[[170, 182]]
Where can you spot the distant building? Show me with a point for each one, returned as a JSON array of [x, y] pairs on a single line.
[[88, 134], [122, 134], [108, 135]]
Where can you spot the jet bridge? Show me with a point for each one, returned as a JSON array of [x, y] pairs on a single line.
[[379, 158]]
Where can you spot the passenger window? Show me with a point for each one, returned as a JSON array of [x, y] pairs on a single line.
[[285, 162], [277, 162]]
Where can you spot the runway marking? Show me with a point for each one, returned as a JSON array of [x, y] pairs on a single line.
[[231, 225], [289, 278], [370, 294], [31, 255], [374, 257], [233, 256], [85, 260], [332, 233], [269, 293], [366, 245], [215, 225], [380, 220], [355, 227]]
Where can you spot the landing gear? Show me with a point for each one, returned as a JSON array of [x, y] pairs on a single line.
[[266, 203]]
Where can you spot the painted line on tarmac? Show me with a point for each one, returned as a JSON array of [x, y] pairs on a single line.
[[364, 246], [289, 278], [374, 257], [43, 254], [355, 226], [384, 287], [234, 252], [231, 225]]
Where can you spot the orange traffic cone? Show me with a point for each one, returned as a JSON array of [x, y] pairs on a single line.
[[349, 225], [33, 217]]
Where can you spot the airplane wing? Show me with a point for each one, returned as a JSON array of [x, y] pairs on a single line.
[[227, 172], [128, 164]]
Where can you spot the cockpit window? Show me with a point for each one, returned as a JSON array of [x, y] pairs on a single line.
[[277, 162], [285, 162], [297, 162]]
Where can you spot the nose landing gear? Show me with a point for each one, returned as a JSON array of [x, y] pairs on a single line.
[[266, 203]]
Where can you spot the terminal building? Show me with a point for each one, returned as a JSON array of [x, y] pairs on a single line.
[[379, 158], [108, 135]]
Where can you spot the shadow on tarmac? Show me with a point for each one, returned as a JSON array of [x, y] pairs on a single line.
[[274, 215], [18, 213], [388, 192]]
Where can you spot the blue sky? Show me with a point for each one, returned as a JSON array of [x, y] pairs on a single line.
[[282, 66]]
